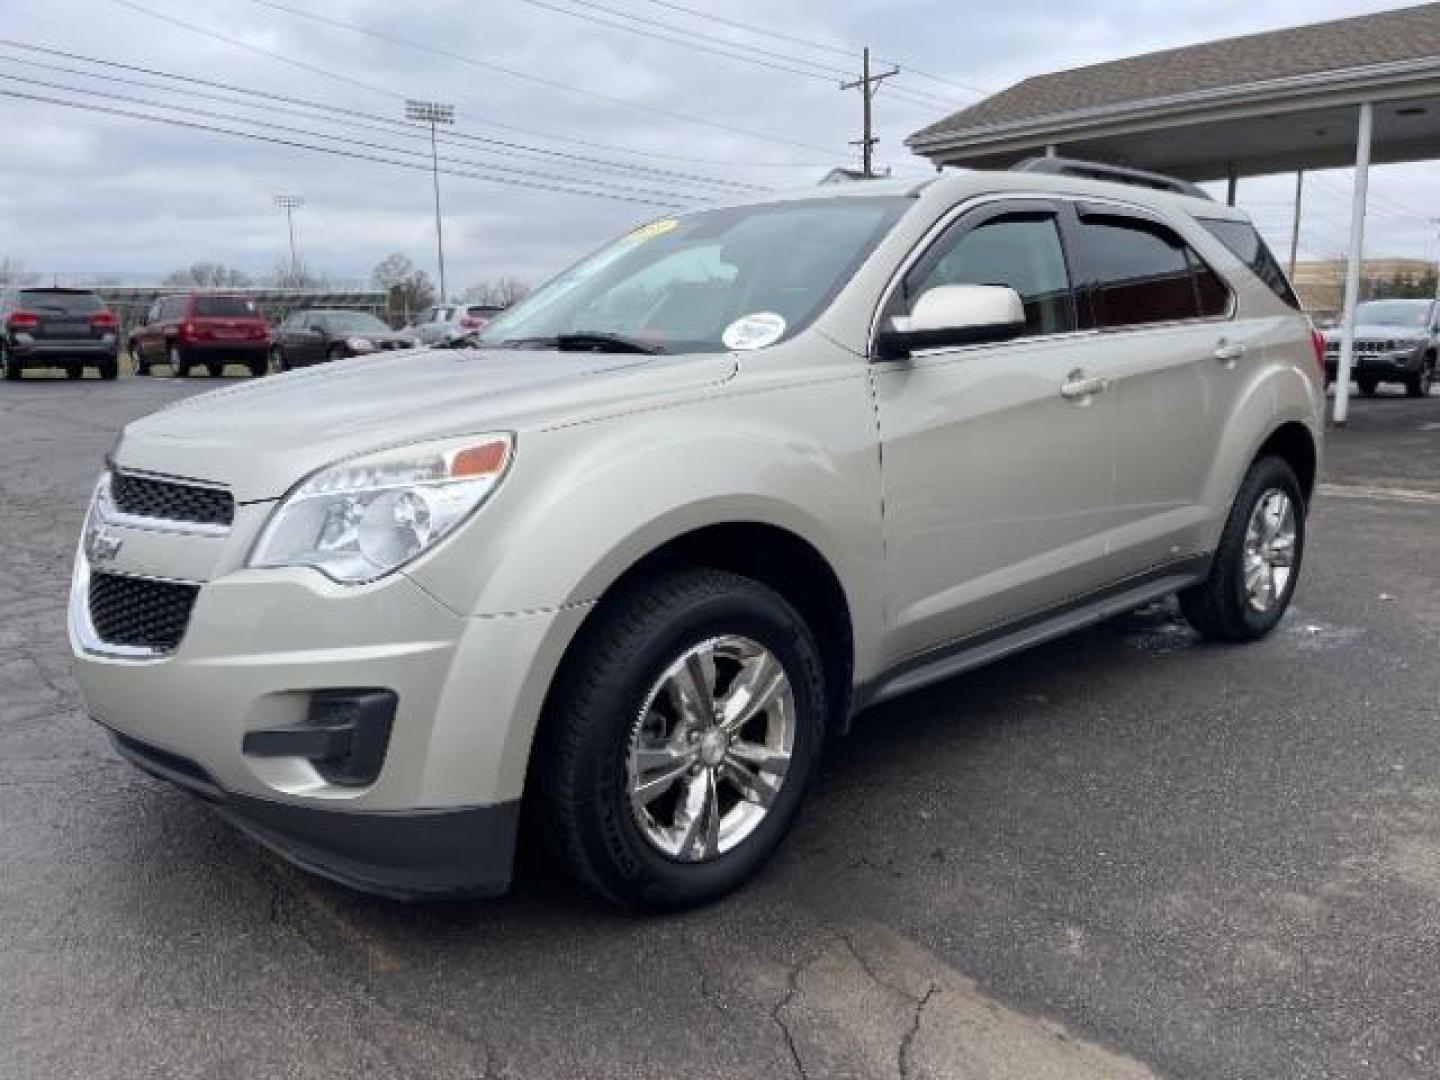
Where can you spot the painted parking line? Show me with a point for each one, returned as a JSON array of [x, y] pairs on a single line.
[[1383, 494]]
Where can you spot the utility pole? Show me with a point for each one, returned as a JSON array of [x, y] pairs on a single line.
[[291, 203], [434, 114], [867, 84]]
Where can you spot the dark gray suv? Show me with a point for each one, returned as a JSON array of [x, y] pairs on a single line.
[[69, 329], [1395, 342]]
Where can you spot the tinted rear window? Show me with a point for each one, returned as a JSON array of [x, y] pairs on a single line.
[[43, 301], [232, 307], [1247, 246], [1139, 272]]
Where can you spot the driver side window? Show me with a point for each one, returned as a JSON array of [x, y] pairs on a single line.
[[1021, 250]]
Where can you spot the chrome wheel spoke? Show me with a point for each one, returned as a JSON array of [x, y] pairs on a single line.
[[756, 687], [760, 758], [697, 820], [692, 687], [751, 785], [656, 767]]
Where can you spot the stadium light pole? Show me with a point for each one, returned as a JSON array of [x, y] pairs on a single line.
[[291, 203], [434, 114]]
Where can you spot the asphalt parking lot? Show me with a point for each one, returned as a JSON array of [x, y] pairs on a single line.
[[1123, 854]]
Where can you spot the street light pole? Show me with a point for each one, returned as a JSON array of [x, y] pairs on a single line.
[[434, 113], [290, 203]]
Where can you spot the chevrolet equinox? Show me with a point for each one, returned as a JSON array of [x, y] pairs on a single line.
[[689, 507]]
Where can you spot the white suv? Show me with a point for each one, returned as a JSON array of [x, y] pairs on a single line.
[[689, 508]]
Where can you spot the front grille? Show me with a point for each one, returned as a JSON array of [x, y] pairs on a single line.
[[171, 500], [139, 612]]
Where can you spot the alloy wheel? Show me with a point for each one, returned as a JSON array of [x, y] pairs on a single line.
[[1269, 552], [710, 749]]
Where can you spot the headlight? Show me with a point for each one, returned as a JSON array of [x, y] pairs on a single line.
[[360, 344], [364, 518]]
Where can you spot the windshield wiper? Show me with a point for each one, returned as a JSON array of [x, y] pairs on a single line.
[[600, 341]]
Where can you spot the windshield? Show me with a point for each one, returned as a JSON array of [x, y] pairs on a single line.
[[354, 322], [741, 277], [1393, 313]]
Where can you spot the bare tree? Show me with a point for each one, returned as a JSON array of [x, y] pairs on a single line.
[[296, 275], [209, 275], [13, 273], [501, 292], [407, 289]]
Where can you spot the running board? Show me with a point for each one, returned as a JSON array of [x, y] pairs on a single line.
[[974, 652]]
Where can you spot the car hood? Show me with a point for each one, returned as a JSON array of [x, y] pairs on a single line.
[[262, 437], [1379, 332]]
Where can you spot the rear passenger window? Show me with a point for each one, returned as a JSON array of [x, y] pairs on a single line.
[[1138, 271], [1022, 251]]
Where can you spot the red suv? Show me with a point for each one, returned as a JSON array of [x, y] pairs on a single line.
[[205, 328]]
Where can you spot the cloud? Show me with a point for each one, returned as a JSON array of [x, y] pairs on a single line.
[[86, 192]]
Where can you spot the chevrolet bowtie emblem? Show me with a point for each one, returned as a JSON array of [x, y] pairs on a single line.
[[101, 545]]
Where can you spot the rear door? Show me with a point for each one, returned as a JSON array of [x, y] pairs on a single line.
[[997, 473], [1178, 359]]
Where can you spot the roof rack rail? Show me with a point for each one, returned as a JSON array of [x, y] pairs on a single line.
[[1116, 174]]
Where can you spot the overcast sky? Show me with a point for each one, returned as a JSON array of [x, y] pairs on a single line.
[[87, 192]]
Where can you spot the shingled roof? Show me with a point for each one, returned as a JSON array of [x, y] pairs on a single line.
[[1406, 34]]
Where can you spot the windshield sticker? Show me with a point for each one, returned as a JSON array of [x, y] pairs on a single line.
[[654, 229], [754, 331]]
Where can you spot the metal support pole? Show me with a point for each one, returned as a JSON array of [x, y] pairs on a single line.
[[1295, 228], [1050, 151], [1352, 269], [439, 231], [1233, 188]]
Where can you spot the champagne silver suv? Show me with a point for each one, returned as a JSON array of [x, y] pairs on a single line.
[[685, 511]]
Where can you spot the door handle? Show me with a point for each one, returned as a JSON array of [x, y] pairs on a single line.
[[1080, 387], [1227, 352]]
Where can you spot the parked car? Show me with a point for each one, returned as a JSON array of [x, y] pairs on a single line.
[[69, 329], [314, 336], [1395, 342], [695, 504], [207, 329], [448, 324]]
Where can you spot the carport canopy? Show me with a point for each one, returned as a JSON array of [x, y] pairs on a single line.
[[1348, 92]]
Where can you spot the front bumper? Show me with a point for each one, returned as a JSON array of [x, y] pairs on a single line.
[[261, 645], [412, 855], [1383, 367]]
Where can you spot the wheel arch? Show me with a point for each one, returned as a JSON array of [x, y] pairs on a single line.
[[1293, 443]]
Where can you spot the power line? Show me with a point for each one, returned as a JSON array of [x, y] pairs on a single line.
[[338, 114], [486, 65], [693, 41], [810, 43], [314, 69], [479, 171]]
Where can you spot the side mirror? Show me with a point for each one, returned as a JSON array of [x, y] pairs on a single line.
[[950, 315]]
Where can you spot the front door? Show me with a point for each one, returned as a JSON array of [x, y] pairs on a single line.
[[997, 460]]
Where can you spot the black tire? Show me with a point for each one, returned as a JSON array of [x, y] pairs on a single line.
[[1368, 386], [259, 368], [335, 352], [580, 762], [74, 371], [110, 369], [277, 359], [1217, 607], [1418, 385], [12, 369], [214, 369]]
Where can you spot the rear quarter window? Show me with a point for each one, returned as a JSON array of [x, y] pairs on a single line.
[[1250, 248]]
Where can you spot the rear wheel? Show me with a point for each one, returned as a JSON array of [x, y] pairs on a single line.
[[215, 369], [1368, 385], [259, 368], [179, 362], [680, 738], [1258, 561], [335, 352], [11, 366], [74, 371], [110, 369]]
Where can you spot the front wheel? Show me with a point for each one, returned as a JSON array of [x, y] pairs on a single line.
[[1368, 386], [1258, 561], [110, 369], [1418, 385], [681, 738]]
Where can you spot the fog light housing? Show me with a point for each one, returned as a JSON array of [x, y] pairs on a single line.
[[345, 735]]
